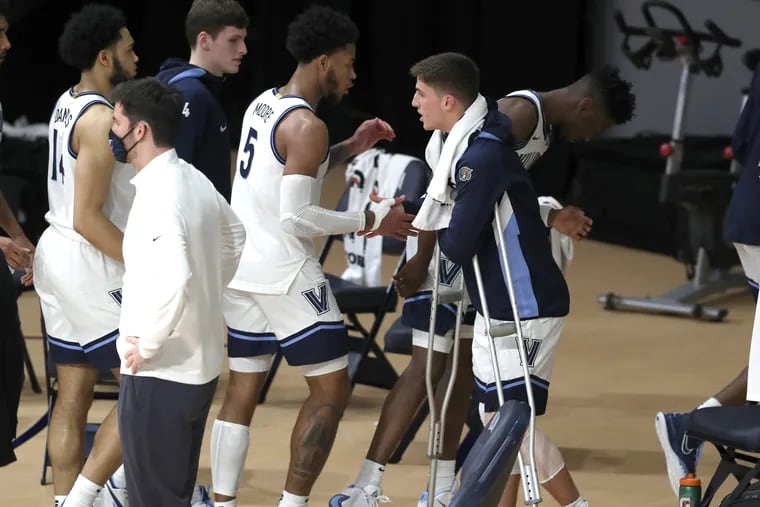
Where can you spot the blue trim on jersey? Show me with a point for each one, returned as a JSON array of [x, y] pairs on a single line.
[[488, 135], [85, 108], [277, 123], [276, 91], [309, 331], [57, 342], [102, 341], [326, 341], [527, 303], [194, 72], [245, 344], [513, 389]]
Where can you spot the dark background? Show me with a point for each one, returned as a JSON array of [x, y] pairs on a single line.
[[540, 44]]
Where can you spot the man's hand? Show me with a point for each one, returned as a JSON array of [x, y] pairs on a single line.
[[396, 224], [410, 277], [28, 278], [133, 357], [18, 256], [368, 134], [570, 221]]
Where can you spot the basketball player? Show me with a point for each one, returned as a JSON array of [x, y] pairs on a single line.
[[578, 111], [279, 299], [79, 266], [215, 31], [742, 228]]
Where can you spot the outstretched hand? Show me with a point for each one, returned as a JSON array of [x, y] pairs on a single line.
[[369, 133], [572, 222], [397, 223]]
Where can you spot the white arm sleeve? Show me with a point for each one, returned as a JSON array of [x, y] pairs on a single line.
[[301, 217]]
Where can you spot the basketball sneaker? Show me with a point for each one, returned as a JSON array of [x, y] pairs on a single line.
[[111, 496], [201, 497], [682, 452], [353, 496], [442, 498]]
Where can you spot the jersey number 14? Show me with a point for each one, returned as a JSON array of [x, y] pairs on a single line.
[[56, 160]]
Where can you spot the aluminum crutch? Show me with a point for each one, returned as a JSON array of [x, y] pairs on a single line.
[[528, 472], [448, 295]]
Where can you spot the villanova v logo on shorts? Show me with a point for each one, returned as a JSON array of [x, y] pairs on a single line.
[[449, 272], [318, 299], [532, 346], [115, 295]]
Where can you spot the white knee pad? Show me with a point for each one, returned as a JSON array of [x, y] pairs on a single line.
[[229, 447], [255, 364], [549, 460]]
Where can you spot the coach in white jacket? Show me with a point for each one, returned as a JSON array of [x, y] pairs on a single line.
[[181, 248]]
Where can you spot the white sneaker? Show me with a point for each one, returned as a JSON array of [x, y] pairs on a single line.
[[201, 497], [111, 496], [442, 498], [352, 496]]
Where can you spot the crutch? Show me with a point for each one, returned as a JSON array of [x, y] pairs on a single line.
[[528, 472], [437, 421]]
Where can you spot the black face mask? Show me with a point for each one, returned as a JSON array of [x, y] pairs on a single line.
[[118, 148]]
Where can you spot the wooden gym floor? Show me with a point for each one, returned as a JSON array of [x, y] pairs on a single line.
[[614, 372]]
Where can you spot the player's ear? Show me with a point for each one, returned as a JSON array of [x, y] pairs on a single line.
[[323, 62], [105, 57], [585, 105]]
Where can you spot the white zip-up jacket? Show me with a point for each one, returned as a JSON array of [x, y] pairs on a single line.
[[182, 245]]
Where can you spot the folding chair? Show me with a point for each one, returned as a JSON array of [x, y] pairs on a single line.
[[734, 431], [107, 388], [355, 300]]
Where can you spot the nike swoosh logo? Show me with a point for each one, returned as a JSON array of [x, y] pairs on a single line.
[[685, 446], [222, 128], [154, 239]]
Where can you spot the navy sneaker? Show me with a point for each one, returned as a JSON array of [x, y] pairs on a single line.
[[682, 453]]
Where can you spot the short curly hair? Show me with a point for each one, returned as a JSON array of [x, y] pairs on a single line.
[[89, 31], [320, 30], [615, 92]]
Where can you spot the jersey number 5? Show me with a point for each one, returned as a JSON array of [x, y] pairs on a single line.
[[245, 165], [56, 157]]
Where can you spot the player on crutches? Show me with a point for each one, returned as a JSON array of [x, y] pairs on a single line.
[[475, 167], [437, 427]]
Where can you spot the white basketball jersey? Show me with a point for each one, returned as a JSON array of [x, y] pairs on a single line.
[[62, 162], [539, 140], [271, 257]]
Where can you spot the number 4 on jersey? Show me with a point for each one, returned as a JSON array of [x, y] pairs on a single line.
[[186, 110]]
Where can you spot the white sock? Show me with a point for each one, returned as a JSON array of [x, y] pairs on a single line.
[[82, 493], [580, 502], [119, 478], [710, 402], [229, 446], [59, 500], [445, 477], [228, 503], [290, 500], [370, 474]]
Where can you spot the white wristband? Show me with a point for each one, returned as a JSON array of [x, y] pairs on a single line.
[[380, 210]]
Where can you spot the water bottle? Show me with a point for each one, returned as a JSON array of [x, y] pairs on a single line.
[[690, 492]]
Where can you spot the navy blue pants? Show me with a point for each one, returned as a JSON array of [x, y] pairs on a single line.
[[161, 425], [11, 363]]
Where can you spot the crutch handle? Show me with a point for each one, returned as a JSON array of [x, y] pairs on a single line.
[[502, 330], [449, 295]]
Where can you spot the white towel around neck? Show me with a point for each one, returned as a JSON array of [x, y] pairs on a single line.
[[442, 157]]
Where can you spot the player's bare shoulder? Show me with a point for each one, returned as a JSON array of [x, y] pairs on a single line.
[[523, 114], [301, 128], [92, 124]]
